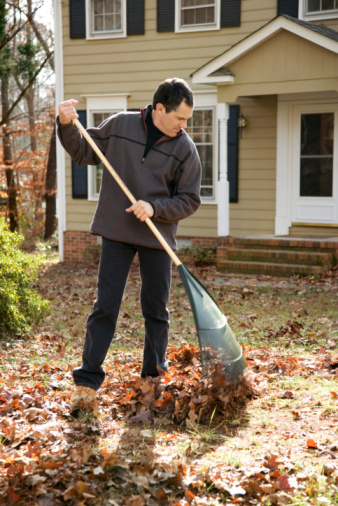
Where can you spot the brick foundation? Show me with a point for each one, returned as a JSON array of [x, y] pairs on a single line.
[[74, 243]]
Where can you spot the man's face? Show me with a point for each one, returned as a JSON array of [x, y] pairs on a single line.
[[171, 123]]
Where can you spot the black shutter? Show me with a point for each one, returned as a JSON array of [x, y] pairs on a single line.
[[289, 7], [233, 152], [135, 17], [230, 13], [79, 172], [77, 19], [165, 15]]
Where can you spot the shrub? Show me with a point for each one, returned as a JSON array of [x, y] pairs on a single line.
[[20, 304], [200, 255]]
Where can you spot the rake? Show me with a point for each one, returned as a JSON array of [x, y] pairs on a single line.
[[220, 351]]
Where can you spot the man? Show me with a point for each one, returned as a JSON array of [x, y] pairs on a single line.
[[160, 165]]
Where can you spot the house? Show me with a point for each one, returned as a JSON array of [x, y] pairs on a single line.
[[265, 78]]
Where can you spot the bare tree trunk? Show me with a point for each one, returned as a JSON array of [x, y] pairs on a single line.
[[7, 160], [50, 195]]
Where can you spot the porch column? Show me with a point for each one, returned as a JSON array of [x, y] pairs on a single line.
[[223, 183], [283, 164]]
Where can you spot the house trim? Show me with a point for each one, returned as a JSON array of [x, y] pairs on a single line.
[[60, 154]]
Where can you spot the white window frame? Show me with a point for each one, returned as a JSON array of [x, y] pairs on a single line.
[[101, 103], [200, 27], [207, 100], [315, 16], [90, 34]]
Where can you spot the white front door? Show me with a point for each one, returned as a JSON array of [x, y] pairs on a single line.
[[315, 164]]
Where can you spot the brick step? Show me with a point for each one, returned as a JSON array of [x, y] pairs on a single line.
[[273, 269], [277, 256], [280, 243]]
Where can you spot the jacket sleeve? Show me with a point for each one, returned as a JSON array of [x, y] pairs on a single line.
[[77, 146], [185, 198]]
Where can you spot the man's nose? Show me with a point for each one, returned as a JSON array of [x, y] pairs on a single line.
[[183, 124]]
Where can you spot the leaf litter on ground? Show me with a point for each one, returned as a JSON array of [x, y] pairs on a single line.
[[271, 439]]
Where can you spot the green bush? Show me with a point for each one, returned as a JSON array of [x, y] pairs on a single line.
[[20, 304], [200, 255]]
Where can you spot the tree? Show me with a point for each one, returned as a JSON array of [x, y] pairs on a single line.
[[24, 54]]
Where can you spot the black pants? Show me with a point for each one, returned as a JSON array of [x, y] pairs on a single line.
[[155, 272]]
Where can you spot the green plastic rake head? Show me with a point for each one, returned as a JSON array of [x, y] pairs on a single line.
[[220, 351]]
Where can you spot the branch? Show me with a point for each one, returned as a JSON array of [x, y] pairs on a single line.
[[50, 55], [23, 91], [11, 36]]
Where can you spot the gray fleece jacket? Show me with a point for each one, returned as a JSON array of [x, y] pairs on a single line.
[[168, 177]]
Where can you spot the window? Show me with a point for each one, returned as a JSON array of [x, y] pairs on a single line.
[[193, 15], [201, 130], [321, 5], [99, 108], [318, 9], [106, 18]]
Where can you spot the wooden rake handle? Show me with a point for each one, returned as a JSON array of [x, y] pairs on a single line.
[[130, 196]]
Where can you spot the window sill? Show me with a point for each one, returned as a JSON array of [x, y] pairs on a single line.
[[318, 16], [109, 35]]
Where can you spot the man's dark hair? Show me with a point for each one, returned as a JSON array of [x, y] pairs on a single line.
[[171, 94]]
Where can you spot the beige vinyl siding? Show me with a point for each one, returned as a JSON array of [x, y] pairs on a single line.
[[202, 224], [135, 65], [255, 211]]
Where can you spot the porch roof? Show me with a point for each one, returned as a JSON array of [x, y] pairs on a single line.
[[286, 55]]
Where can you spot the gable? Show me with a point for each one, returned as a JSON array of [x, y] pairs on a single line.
[[285, 56], [325, 38]]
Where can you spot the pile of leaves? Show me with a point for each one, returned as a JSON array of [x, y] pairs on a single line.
[[181, 395]]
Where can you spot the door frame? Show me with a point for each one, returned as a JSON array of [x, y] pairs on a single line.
[[287, 107], [303, 208]]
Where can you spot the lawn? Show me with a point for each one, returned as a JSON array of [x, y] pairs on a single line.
[[172, 441]]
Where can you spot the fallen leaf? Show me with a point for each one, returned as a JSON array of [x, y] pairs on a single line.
[[311, 443]]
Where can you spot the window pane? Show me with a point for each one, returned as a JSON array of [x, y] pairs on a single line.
[[118, 23], [316, 157], [317, 134], [98, 7], [188, 17], [98, 25], [109, 6], [205, 15], [316, 177], [99, 117], [313, 5], [98, 178], [327, 5], [110, 22]]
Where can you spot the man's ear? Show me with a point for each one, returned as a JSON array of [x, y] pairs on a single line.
[[160, 108]]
